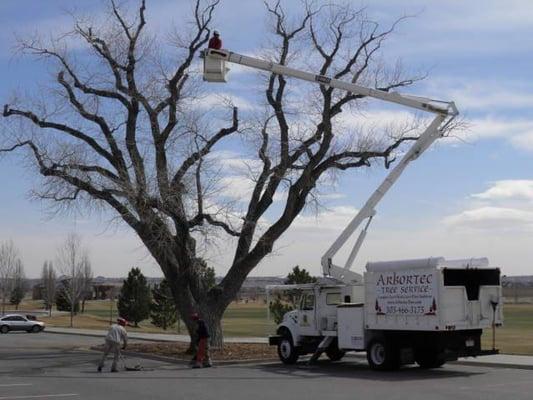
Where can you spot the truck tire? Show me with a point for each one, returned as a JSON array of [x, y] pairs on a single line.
[[430, 360], [287, 352], [333, 352], [382, 355]]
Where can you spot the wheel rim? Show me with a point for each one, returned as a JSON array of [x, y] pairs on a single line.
[[285, 348], [377, 353]]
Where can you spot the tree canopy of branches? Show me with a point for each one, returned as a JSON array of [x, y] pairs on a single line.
[[124, 135]]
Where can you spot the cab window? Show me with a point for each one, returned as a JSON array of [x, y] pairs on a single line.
[[333, 299], [308, 302]]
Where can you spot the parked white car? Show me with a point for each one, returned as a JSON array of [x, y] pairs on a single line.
[[16, 322]]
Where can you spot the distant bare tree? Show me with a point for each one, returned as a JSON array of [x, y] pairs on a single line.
[[72, 261], [49, 283], [10, 264], [87, 281], [124, 135]]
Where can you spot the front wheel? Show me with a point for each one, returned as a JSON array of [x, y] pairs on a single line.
[[286, 351], [382, 356], [36, 329]]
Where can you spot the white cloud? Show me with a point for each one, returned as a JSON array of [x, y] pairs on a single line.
[[236, 187], [508, 190], [332, 219], [218, 99], [492, 218], [507, 205], [518, 131]]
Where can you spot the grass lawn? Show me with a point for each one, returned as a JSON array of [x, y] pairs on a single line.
[[515, 337], [239, 320]]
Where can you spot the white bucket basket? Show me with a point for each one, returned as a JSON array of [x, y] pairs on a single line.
[[214, 69]]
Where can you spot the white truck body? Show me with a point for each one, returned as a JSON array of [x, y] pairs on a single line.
[[416, 306]]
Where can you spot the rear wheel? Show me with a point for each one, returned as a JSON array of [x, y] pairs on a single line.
[[430, 360], [382, 356], [4, 329], [333, 352], [286, 351]]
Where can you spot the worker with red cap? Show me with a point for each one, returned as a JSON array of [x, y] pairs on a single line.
[[201, 358], [215, 42], [116, 334]]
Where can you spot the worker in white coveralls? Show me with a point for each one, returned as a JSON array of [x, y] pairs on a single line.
[[116, 334]]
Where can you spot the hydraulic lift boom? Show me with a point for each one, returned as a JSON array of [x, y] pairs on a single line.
[[215, 71]]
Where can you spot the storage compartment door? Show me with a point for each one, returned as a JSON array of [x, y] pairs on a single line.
[[350, 326]]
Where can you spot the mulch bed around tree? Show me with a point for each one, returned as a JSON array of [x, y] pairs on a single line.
[[230, 351]]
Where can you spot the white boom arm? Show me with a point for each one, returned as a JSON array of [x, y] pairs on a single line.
[[215, 71]]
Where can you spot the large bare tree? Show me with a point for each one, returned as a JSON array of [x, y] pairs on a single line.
[[125, 136]]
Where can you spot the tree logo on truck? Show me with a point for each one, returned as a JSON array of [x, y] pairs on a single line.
[[408, 292]]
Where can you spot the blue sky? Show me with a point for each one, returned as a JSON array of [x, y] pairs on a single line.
[[466, 197]]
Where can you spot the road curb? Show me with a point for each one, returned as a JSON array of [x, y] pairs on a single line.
[[173, 360], [491, 364]]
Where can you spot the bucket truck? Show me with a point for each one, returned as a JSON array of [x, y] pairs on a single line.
[[427, 311]]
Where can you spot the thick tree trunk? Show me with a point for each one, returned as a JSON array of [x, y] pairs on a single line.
[[213, 320]]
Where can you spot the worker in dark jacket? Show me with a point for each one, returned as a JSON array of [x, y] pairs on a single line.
[[215, 42], [201, 358]]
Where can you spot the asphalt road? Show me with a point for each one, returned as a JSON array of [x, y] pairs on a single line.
[[50, 366]]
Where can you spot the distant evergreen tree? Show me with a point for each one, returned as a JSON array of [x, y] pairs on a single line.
[[163, 308], [289, 301], [17, 294], [299, 276], [134, 298], [62, 299]]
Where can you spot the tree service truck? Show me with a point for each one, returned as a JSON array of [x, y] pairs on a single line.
[[427, 311]]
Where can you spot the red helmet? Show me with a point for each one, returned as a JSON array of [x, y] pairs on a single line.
[[195, 316], [122, 321]]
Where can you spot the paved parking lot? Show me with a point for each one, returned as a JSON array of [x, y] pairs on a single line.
[[49, 366]]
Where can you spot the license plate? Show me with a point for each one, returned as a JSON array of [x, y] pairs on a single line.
[[469, 342]]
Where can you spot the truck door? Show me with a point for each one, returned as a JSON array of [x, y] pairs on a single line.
[[307, 320]]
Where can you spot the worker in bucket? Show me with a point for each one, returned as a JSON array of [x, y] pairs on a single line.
[[201, 358], [215, 42], [116, 334]]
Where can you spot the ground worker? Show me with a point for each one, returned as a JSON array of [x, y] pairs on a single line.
[[201, 359], [116, 334], [215, 42]]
